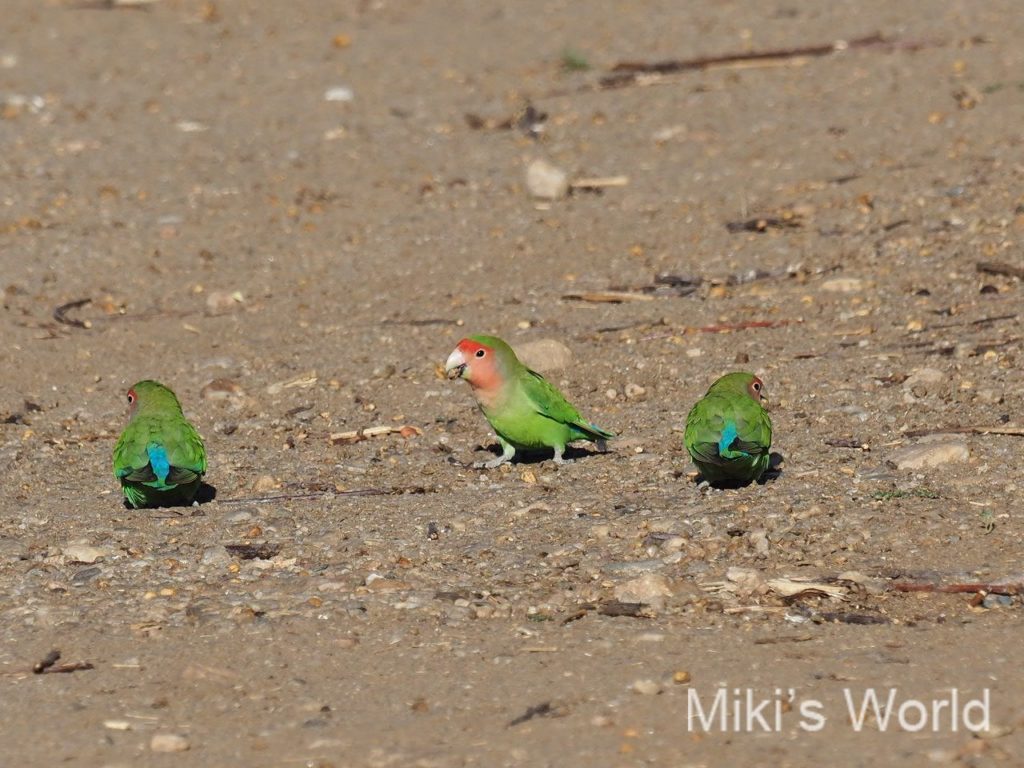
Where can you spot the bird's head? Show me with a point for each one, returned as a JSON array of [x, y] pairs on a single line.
[[145, 394], [480, 360], [757, 391], [743, 384]]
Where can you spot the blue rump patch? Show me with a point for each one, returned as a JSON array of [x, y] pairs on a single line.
[[728, 435], [158, 461]]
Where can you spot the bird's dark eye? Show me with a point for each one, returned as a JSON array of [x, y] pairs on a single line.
[[131, 398], [757, 386], [480, 353]]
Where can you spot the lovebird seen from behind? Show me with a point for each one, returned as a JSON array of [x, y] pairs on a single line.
[[159, 459], [728, 432], [524, 409]]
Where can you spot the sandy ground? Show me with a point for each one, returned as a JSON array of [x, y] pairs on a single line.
[[297, 266]]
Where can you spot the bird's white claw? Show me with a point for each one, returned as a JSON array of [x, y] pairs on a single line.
[[507, 452], [492, 464]]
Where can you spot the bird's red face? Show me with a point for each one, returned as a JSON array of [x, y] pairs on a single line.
[[476, 363], [757, 391], [133, 402]]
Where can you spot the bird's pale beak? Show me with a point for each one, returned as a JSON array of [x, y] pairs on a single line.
[[455, 365]]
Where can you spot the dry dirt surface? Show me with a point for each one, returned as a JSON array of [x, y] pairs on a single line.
[[290, 212]]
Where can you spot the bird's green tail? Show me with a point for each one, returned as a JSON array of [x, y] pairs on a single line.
[[593, 432]]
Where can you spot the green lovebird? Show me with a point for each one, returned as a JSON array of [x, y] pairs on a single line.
[[159, 458], [523, 408], [728, 432]]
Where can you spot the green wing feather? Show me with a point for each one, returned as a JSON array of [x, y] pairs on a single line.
[[184, 450], [549, 402]]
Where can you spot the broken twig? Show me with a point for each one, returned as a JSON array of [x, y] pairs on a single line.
[[47, 661], [264, 551], [631, 610], [1000, 268], [607, 297], [113, 5], [846, 442], [597, 183], [764, 223], [60, 314], [358, 435], [544, 709], [49, 666]]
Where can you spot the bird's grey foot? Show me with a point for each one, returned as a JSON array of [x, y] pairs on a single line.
[[559, 450], [507, 453]]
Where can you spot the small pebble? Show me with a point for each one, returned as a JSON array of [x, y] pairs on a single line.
[[85, 576], [647, 687], [221, 302], [264, 484], [997, 601], [340, 93], [634, 391], [216, 556]]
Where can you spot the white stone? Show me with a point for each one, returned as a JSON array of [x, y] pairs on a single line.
[[169, 742], [546, 181], [647, 687], [83, 553], [544, 355], [931, 451], [843, 285], [339, 93], [650, 589]]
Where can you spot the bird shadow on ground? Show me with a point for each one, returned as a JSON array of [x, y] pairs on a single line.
[[774, 471], [770, 475], [538, 457], [204, 495]]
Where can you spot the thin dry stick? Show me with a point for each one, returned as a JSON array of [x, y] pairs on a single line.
[[970, 587], [1007, 431], [598, 182], [307, 495], [670, 66], [721, 328], [629, 73], [60, 314]]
